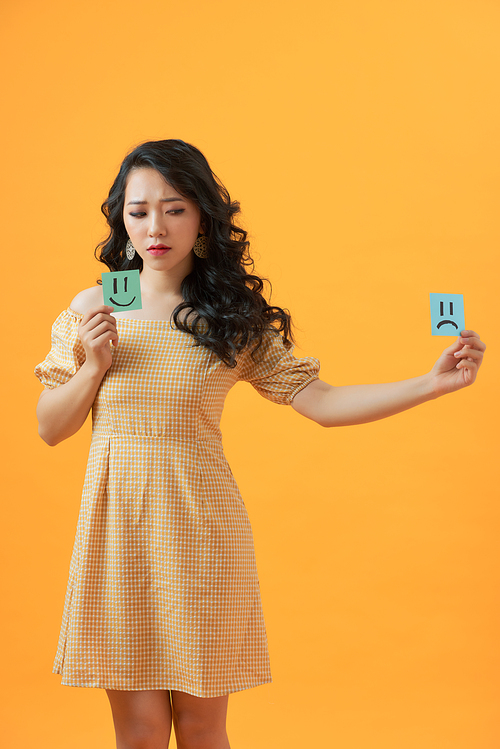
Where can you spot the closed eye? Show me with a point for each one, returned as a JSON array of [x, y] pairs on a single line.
[[140, 214]]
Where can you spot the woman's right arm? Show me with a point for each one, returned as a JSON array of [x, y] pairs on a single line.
[[61, 411]]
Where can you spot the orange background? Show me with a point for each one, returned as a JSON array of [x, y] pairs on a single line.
[[361, 138]]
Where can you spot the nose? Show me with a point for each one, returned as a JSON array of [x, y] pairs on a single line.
[[156, 225]]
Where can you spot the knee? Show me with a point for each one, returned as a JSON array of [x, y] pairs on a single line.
[[143, 736], [196, 733]]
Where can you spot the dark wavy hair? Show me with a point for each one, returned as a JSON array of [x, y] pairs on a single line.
[[227, 309]]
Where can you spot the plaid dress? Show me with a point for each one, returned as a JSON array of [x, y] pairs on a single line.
[[163, 590]]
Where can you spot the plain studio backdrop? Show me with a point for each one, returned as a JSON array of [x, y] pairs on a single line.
[[361, 138]]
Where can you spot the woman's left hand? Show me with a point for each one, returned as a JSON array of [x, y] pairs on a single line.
[[458, 364]]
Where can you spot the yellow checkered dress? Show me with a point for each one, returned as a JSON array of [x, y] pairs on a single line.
[[163, 590]]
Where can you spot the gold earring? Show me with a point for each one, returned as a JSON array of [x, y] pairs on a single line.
[[201, 246], [130, 250]]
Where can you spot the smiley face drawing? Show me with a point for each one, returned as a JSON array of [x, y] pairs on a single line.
[[122, 289], [447, 314]]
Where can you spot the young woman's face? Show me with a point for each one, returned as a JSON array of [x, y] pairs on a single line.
[[161, 223]]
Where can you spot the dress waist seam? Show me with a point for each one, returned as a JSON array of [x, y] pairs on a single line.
[[165, 438]]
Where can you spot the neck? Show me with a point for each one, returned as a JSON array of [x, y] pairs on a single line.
[[162, 284]]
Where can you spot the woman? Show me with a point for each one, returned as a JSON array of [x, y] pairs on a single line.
[[162, 607]]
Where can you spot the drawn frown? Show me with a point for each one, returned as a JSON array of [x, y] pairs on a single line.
[[447, 314]]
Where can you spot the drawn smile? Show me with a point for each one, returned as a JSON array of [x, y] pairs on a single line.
[[128, 305]]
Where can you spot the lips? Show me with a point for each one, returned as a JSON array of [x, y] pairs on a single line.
[[158, 249]]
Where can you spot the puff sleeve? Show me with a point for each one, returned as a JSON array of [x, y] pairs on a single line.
[[275, 373], [66, 355]]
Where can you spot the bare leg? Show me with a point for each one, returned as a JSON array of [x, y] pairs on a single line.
[[143, 719], [199, 722]]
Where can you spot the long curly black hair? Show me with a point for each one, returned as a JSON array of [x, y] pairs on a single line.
[[227, 310]]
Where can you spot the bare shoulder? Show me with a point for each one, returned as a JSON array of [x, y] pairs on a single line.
[[87, 299]]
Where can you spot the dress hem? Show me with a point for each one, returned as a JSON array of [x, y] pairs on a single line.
[[177, 687]]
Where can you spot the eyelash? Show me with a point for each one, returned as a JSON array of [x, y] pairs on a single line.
[[173, 212]]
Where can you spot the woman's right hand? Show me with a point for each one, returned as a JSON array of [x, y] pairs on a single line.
[[62, 410], [96, 330]]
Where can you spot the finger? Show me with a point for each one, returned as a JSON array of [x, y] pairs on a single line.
[[466, 351], [472, 339], [107, 337], [474, 343], [467, 333], [98, 319], [101, 341], [103, 308], [467, 364], [88, 334], [98, 330], [469, 373]]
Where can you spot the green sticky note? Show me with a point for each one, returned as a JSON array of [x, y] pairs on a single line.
[[447, 314], [122, 289]]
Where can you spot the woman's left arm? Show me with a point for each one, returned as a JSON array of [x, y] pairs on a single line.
[[333, 406]]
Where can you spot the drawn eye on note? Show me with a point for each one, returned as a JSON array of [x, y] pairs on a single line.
[[447, 314], [116, 292], [122, 289]]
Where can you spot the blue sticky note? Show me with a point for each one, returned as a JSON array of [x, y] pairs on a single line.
[[122, 289], [447, 314]]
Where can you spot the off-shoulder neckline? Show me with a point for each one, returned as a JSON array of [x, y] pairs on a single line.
[[170, 325], [124, 319], [72, 312]]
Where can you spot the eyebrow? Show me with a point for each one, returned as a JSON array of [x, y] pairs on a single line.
[[162, 200]]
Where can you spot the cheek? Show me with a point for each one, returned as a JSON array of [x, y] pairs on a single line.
[[130, 227]]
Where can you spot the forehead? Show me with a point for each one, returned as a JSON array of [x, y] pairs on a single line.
[[145, 181]]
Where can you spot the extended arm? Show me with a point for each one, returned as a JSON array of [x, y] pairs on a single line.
[[63, 410], [358, 404]]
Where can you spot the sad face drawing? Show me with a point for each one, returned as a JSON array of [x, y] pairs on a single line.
[[447, 314], [446, 322]]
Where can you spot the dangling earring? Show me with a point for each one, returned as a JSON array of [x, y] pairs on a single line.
[[201, 246], [130, 250]]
